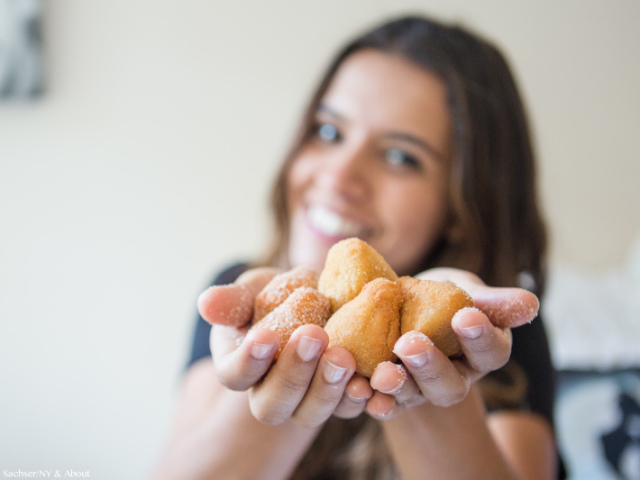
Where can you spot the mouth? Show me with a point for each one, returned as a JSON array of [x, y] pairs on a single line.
[[331, 224]]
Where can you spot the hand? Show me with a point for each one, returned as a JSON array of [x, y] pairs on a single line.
[[309, 382], [426, 374]]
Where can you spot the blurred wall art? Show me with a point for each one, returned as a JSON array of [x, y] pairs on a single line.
[[21, 59]]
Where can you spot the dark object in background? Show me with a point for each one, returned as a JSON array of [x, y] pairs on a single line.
[[598, 423], [624, 440], [21, 62]]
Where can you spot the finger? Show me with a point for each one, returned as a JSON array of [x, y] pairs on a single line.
[[233, 304], [240, 362], [389, 377], [440, 382], [381, 406], [505, 307], [335, 368], [485, 347], [393, 379], [275, 399], [354, 399]]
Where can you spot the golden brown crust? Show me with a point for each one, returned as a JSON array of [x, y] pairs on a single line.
[[304, 306], [428, 306], [369, 325], [371, 307], [350, 265], [280, 287]]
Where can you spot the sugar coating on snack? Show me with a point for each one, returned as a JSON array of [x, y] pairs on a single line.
[[428, 307], [350, 265], [304, 306], [369, 325], [280, 287]]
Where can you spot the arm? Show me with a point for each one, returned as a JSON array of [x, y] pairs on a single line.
[[460, 442], [432, 415], [239, 417], [215, 435]]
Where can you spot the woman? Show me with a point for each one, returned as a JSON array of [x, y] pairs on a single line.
[[416, 142]]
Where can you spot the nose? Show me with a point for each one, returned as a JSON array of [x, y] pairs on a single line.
[[347, 171]]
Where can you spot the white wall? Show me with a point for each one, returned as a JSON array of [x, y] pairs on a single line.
[[145, 166]]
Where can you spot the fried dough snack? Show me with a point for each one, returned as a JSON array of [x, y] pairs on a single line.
[[280, 287], [304, 306], [367, 306], [428, 307], [369, 325], [350, 265]]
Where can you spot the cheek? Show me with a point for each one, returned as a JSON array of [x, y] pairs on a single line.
[[298, 178], [417, 208], [421, 223], [415, 223]]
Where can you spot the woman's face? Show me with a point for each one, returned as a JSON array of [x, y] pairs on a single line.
[[375, 165]]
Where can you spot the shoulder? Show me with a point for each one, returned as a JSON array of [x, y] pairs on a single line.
[[230, 273]]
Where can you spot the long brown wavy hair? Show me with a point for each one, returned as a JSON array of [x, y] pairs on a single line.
[[500, 233]]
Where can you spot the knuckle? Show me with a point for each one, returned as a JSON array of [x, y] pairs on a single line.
[[233, 378], [328, 396], [450, 399], [266, 415], [228, 381], [428, 377], [489, 360], [293, 384], [484, 344], [453, 394], [414, 402], [308, 421]]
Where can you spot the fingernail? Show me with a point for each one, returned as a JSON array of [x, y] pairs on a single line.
[[417, 360], [355, 399], [333, 373], [384, 414], [260, 351], [395, 389], [308, 348], [472, 332]]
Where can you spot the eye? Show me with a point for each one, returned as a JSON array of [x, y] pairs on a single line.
[[327, 132], [399, 158]]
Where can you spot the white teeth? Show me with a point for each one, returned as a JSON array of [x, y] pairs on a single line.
[[330, 223]]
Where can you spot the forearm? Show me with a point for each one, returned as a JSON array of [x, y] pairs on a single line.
[[220, 438], [448, 443]]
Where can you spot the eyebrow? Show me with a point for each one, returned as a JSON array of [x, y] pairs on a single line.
[[322, 108], [404, 137]]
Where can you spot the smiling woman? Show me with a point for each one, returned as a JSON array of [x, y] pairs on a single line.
[[416, 142], [383, 168]]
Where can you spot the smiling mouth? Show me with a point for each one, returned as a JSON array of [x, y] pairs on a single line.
[[330, 223]]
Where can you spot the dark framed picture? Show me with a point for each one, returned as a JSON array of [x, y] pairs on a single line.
[[21, 59]]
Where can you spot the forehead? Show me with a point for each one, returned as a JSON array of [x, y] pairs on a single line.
[[387, 91]]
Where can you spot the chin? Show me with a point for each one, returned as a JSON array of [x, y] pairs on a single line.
[[309, 257], [307, 251], [307, 248]]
